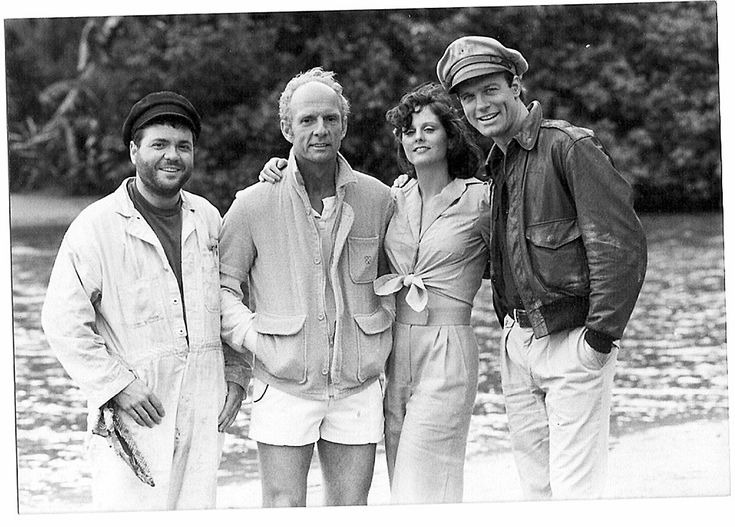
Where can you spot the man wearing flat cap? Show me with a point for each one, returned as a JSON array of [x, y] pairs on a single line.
[[132, 312], [567, 262]]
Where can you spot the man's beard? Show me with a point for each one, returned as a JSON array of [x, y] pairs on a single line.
[[156, 183]]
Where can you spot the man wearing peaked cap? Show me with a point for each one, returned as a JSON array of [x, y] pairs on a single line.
[[159, 104], [567, 263], [132, 312], [470, 57]]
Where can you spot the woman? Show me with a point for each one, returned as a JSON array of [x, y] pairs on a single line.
[[436, 245]]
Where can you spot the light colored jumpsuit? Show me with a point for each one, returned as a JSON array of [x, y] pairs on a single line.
[[432, 371], [112, 314]]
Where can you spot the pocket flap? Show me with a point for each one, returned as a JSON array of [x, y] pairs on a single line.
[[553, 234], [374, 323], [278, 325]]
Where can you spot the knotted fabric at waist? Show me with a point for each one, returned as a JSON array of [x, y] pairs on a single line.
[[439, 311], [414, 289]]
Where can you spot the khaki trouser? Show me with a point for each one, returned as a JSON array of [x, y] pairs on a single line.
[[557, 394], [430, 392]]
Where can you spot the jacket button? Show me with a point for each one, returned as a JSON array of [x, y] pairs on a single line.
[[325, 371], [320, 316], [176, 301], [317, 261]]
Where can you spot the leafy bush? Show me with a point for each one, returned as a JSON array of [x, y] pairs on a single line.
[[643, 76]]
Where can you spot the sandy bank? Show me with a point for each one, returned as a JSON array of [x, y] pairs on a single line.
[[690, 459]]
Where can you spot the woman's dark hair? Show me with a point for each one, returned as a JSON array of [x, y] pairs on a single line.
[[464, 157]]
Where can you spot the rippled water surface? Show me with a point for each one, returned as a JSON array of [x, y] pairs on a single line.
[[672, 365]]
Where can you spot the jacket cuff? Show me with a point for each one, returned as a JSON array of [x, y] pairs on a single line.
[[600, 342]]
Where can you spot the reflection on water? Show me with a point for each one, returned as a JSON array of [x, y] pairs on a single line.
[[672, 366]]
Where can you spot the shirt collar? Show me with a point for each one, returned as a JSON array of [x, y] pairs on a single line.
[[343, 177]]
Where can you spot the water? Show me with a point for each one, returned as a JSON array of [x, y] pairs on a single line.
[[672, 366]]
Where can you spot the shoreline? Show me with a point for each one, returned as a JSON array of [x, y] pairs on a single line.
[[682, 460], [37, 209], [690, 459], [46, 208]]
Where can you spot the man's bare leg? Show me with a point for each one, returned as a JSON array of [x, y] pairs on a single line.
[[347, 472], [283, 472]]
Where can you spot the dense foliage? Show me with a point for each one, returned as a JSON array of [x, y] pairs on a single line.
[[643, 76]]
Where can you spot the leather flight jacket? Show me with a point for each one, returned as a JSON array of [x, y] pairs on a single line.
[[576, 247]]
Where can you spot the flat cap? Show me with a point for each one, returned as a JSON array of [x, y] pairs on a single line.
[[470, 57], [155, 105]]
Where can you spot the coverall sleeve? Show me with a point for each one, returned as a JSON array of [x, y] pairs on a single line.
[[68, 319]]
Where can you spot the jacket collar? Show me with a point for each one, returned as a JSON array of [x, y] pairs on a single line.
[[528, 134]]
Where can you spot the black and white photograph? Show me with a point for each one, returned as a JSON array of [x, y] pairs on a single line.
[[367, 260]]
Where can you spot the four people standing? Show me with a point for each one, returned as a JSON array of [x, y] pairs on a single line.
[[328, 258]]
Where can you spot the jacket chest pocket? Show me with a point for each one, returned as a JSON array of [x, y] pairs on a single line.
[[362, 254], [558, 256]]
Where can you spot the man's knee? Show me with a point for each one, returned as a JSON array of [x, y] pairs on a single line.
[[347, 490], [347, 497], [279, 495]]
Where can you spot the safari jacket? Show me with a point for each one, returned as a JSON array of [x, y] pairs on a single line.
[[577, 250], [113, 313], [270, 243]]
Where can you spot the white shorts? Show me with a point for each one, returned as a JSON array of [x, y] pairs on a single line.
[[279, 418]]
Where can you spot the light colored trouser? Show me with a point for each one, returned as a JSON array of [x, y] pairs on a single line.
[[183, 452], [430, 392], [557, 395]]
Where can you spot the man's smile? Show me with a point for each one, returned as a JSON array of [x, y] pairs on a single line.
[[488, 117]]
